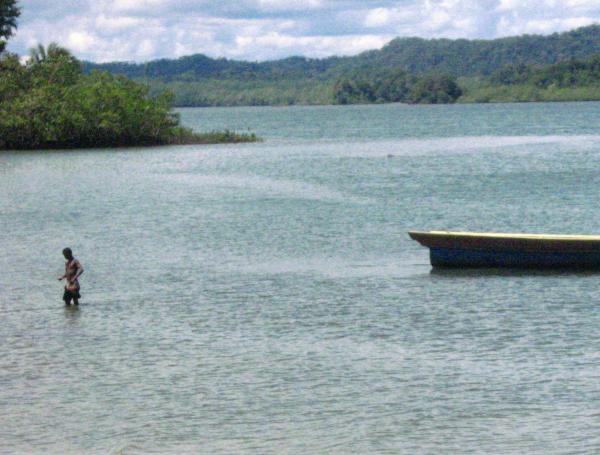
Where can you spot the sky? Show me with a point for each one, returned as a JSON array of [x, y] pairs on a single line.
[[257, 30]]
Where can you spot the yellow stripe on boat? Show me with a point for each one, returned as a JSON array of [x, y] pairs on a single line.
[[514, 235]]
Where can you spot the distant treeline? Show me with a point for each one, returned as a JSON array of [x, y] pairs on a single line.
[[397, 87], [213, 92], [462, 57], [565, 74], [415, 55], [409, 70], [195, 68], [572, 80], [391, 87]]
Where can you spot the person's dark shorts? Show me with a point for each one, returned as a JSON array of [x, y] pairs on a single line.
[[70, 295]]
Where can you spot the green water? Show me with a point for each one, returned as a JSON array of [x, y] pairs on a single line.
[[265, 298]]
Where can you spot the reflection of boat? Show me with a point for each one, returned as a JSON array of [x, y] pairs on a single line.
[[544, 251]]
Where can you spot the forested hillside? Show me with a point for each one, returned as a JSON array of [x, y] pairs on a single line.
[[198, 80], [415, 55], [397, 86], [573, 80], [200, 67], [483, 57]]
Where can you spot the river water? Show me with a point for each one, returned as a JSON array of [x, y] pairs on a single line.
[[265, 298]]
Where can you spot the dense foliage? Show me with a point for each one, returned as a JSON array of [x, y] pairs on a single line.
[[565, 74], [483, 57], [213, 92], [198, 80], [397, 86], [199, 67], [49, 103], [571, 80], [417, 56]]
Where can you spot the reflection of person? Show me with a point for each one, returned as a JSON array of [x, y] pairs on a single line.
[[73, 270]]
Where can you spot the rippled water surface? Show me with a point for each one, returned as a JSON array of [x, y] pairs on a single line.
[[265, 298]]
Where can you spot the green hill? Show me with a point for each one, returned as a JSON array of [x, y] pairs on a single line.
[[455, 57], [198, 80], [483, 57], [572, 80]]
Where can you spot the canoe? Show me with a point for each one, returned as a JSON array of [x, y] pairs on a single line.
[[533, 251]]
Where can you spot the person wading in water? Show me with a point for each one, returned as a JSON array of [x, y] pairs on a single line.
[[73, 271]]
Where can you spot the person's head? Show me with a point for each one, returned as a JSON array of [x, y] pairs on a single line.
[[68, 254]]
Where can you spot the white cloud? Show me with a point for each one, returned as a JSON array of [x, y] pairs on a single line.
[[316, 46], [289, 4], [80, 41], [116, 23], [136, 5], [378, 17], [146, 48], [108, 30], [508, 5], [517, 26], [582, 4]]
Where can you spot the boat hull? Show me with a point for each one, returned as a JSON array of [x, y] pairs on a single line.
[[464, 250], [453, 257]]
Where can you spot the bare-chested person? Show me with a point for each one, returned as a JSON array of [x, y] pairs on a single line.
[[73, 271]]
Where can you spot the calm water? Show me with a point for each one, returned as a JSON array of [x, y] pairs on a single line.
[[265, 298]]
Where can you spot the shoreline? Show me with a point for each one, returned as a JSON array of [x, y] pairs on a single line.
[[459, 101], [217, 137]]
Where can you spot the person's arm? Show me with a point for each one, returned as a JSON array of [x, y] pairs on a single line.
[[79, 270]]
